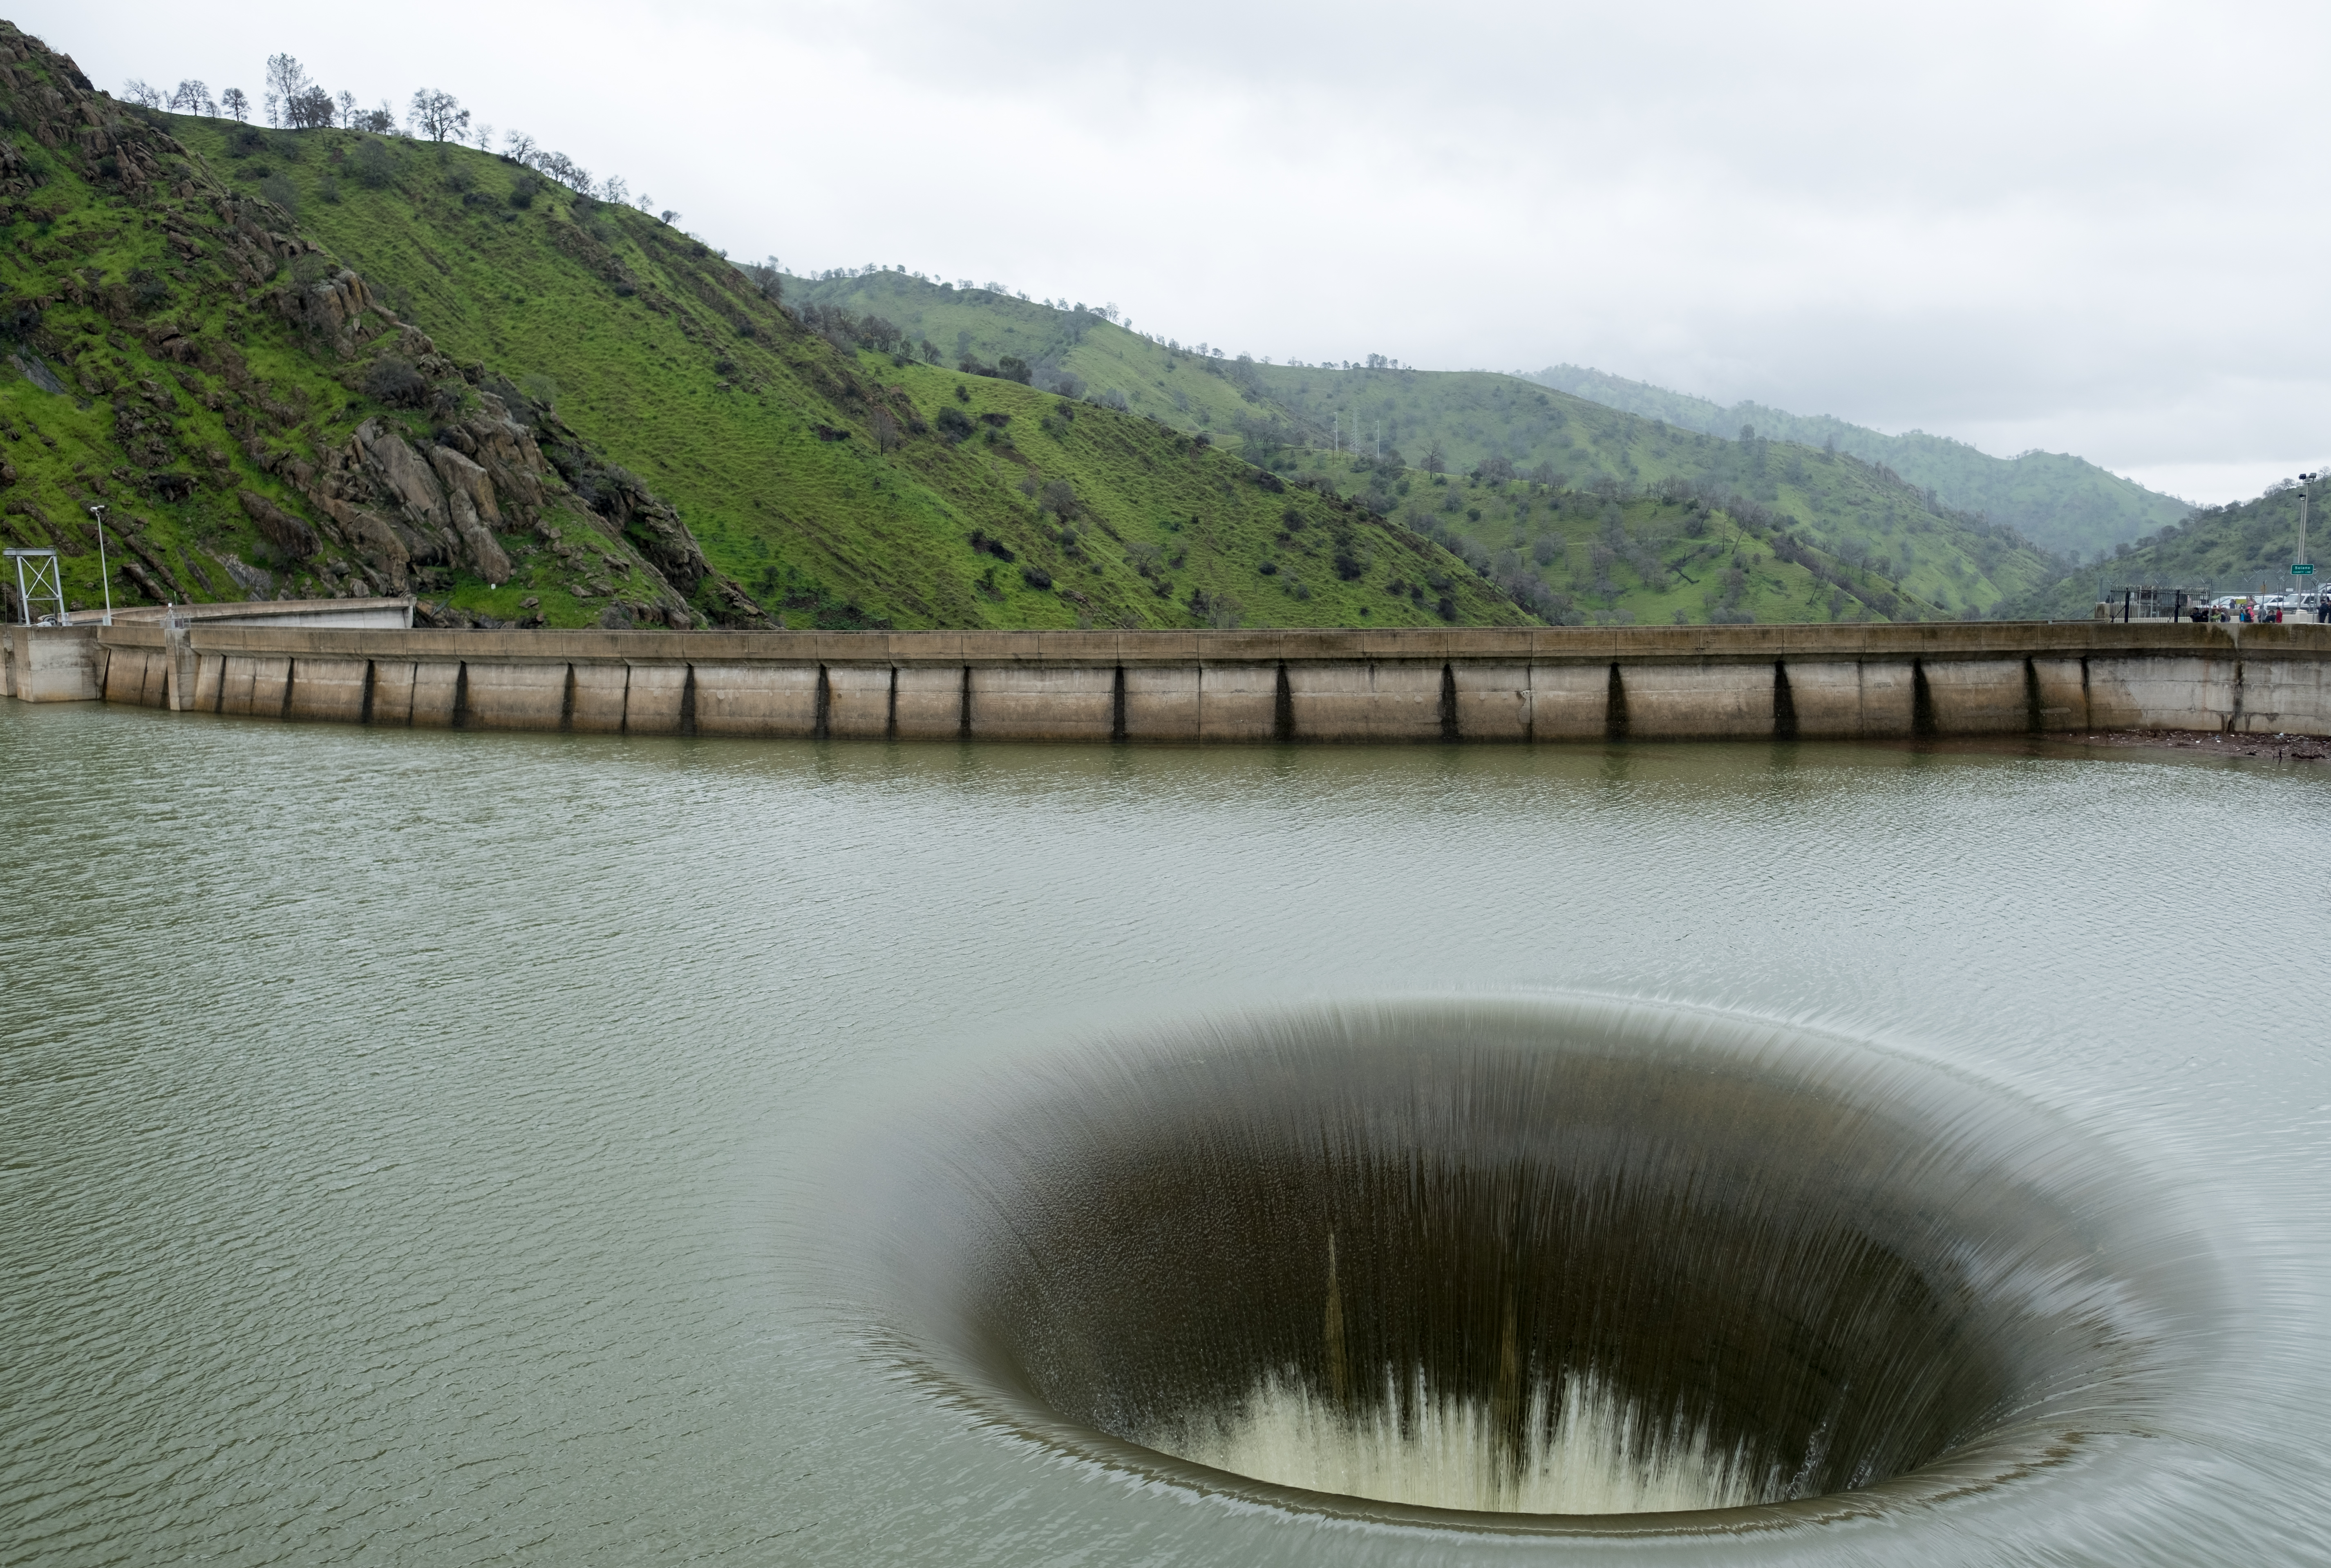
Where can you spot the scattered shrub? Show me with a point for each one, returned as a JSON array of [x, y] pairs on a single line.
[[373, 169], [524, 189], [954, 424], [278, 188], [148, 289], [1011, 368], [1036, 576], [395, 381]]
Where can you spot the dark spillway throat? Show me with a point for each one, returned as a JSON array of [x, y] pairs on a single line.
[[1525, 1261]]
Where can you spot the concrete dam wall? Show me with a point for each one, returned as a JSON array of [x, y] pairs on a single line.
[[1545, 684]]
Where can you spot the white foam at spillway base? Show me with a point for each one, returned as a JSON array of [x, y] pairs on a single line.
[[1601, 1455]]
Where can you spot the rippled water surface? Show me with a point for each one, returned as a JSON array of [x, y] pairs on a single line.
[[408, 1141]]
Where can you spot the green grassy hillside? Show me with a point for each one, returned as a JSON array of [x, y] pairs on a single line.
[[672, 359], [2243, 548], [1353, 429], [328, 362], [176, 344], [180, 356], [2062, 503]]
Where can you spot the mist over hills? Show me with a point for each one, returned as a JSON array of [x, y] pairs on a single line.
[[2064, 504]]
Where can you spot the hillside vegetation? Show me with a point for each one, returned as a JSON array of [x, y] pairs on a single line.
[[252, 420], [2242, 548], [341, 361], [2063, 504], [264, 352], [1357, 427]]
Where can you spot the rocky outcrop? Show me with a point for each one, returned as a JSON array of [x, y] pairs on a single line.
[[374, 539], [650, 526], [408, 479], [291, 537], [469, 498], [331, 311], [465, 480], [507, 451], [439, 495]]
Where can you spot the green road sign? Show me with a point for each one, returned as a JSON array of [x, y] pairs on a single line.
[[2302, 569]]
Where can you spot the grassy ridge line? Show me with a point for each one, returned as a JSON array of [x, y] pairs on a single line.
[[2062, 503], [1283, 415], [640, 329]]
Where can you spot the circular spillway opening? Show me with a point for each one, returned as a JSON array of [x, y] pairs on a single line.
[[1531, 1261]]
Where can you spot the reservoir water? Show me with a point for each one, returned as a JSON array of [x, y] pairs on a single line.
[[457, 1147]]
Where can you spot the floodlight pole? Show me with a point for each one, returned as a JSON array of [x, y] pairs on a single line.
[[2306, 483], [104, 580]]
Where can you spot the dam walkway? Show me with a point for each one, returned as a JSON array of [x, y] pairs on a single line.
[[1544, 684]]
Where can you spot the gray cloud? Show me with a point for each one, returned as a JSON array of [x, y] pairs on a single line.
[[2072, 226]]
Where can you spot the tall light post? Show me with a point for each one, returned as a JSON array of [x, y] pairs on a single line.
[[2306, 561], [104, 578]]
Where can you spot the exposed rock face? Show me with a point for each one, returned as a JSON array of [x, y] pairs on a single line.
[[464, 480], [470, 497], [408, 479], [450, 510], [286, 533], [506, 451], [332, 310]]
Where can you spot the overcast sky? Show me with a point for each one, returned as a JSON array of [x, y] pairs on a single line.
[[2087, 228]]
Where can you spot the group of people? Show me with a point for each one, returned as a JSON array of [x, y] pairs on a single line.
[[2250, 613]]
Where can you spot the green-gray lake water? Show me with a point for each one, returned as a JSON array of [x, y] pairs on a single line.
[[409, 1142]]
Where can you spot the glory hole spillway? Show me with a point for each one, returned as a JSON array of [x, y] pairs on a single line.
[[1549, 1259], [578, 1148]]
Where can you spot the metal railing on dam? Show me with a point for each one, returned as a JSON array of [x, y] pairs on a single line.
[[1532, 684]]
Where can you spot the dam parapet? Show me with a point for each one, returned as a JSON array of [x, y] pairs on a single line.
[[1550, 684]]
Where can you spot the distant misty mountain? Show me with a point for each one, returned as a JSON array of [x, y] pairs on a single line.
[[2061, 503]]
